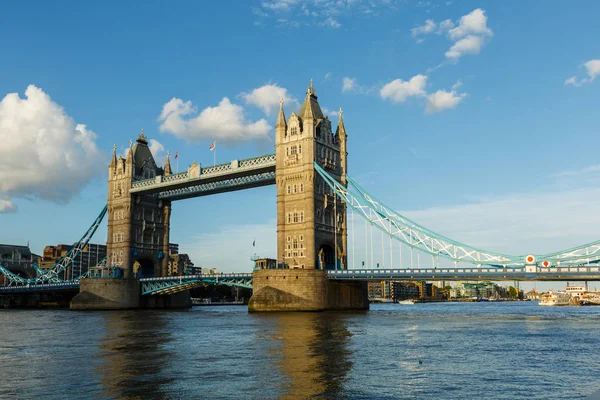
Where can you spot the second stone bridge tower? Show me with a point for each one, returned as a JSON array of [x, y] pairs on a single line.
[[311, 220]]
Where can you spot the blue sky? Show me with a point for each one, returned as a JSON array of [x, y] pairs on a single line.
[[478, 119]]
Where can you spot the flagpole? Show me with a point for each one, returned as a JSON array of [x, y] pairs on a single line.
[[215, 157], [177, 165]]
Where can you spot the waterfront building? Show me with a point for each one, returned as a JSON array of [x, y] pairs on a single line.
[[89, 257], [18, 259], [178, 263], [480, 289], [532, 295], [380, 290], [405, 290]]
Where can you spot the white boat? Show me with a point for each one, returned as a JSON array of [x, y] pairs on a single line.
[[409, 301], [551, 298]]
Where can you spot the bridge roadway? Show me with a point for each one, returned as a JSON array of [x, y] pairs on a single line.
[[579, 273], [174, 284], [198, 181]]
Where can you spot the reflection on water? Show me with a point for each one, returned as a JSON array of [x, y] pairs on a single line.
[[133, 359], [312, 353], [445, 351]]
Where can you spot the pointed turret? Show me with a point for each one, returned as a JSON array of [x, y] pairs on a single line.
[[281, 116], [129, 160], [340, 138], [113, 160], [168, 170], [341, 129], [310, 107]]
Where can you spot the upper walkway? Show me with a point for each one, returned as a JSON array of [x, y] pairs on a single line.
[[198, 181]]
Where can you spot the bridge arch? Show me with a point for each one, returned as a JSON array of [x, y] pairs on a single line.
[[144, 268], [326, 257]]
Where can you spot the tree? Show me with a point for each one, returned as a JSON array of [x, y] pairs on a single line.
[[513, 292]]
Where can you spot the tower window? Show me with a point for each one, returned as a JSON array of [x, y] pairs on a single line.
[[294, 130]]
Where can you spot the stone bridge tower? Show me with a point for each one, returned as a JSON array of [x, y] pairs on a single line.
[[311, 224], [138, 226], [311, 220]]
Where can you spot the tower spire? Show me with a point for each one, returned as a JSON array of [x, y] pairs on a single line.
[[168, 170], [281, 116], [113, 160], [341, 129]]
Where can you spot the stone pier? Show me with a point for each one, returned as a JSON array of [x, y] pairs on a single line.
[[304, 290]]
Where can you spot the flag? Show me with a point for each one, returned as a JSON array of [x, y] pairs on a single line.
[[212, 146], [176, 154], [254, 243]]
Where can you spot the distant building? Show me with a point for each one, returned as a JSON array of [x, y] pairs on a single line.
[[177, 264], [532, 295], [265, 263], [89, 257], [405, 290], [18, 259], [380, 290], [481, 289], [193, 270], [173, 248]]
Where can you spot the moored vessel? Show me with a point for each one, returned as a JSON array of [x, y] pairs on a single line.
[[551, 298]]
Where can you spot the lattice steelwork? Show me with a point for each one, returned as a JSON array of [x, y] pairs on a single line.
[[462, 274], [51, 275], [224, 185], [197, 176], [174, 284], [400, 228]]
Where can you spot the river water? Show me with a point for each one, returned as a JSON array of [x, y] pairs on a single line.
[[423, 351]]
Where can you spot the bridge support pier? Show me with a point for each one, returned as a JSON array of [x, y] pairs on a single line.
[[304, 290], [107, 294]]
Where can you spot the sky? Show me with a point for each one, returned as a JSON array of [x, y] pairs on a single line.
[[477, 119]]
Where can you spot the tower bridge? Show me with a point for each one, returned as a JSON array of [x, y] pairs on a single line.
[[315, 269]]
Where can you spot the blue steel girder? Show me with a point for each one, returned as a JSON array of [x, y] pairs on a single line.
[[198, 181], [469, 274], [51, 275], [175, 284], [225, 185], [41, 287], [400, 228]]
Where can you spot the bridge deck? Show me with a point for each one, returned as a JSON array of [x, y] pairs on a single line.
[[465, 274]]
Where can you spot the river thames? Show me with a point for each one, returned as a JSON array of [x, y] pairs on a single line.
[[515, 350]]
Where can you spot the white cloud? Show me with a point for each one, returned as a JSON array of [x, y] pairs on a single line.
[[428, 27], [225, 122], [469, 45], [593, 70], [267, 97], [331, 113], [474, 23], [331, 23], [443, 100], [44, 153], [327, 76], [445, 26], [349, 84], [572, 81], [583, 171], [7, 206], [398, 90], [279, 5], [468, 36], [325, 13], [158, 151]]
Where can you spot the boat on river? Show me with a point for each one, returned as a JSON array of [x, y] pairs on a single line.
[[558, 298], [407, 301]]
